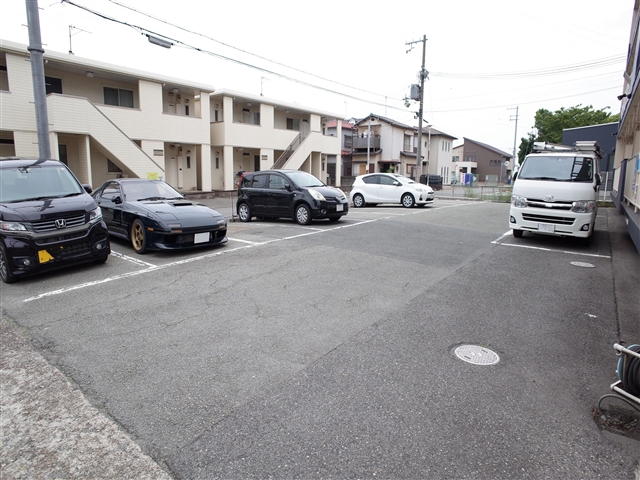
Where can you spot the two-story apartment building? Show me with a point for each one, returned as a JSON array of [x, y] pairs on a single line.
[[626, 164], [107, 121], [251, 133], [485, 162]]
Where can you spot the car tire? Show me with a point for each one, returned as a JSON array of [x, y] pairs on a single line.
[[138, 236], [5, 271], [517, 233], [303, 214], [407, 200], [358, 200], [244, 212]]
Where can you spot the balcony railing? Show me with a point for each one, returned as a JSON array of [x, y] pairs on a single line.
[[363, 142]]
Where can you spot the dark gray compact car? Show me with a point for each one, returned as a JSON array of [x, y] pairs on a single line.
[[289, 194]]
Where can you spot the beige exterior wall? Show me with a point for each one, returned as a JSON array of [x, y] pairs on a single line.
[[135, 139]]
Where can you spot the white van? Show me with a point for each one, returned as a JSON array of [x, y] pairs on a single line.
[[555, 191]]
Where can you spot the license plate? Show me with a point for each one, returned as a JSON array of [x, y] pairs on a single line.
[[201, 237], [546, 227], [339, 208]]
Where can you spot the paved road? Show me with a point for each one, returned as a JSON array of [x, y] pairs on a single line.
[[328, 351]]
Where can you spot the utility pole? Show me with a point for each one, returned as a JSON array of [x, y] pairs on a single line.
[[37, 74], [515, 136], [422, 74]]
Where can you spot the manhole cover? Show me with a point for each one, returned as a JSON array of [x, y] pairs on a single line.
[[583, 264], [477, 355]]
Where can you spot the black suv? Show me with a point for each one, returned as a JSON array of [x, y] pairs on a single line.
[[48, 219], [291, 194]]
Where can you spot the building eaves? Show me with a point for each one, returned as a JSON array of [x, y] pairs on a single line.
[[82, 65], [225, 92], [386, 120]]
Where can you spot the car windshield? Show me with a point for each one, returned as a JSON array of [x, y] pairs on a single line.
[[304, 179], [37, 182], [557, 168], [138, 191]]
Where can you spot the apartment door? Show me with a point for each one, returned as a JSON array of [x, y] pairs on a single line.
[[171, 171]]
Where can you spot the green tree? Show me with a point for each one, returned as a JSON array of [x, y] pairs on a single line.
[[550, 124]]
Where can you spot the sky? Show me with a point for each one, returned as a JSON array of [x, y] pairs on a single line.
[[485, 58]]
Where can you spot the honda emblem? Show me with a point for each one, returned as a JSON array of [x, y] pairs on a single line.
[[61, 223]]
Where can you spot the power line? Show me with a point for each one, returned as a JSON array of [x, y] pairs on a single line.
[[229, 59], [146, 31], [247, 52], [538, 73]]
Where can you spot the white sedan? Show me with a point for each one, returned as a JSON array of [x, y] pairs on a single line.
[[377, 188]]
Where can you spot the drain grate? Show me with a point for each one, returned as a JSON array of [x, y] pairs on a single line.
[[583, 264], [476, 355]]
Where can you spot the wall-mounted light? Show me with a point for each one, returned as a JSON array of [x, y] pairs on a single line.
[[172, 146], [248, 104], [188, 151], [176, 90], [89, 74]]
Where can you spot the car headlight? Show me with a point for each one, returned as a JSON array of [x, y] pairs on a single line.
[[341, 192], [518, 201], [95, 215], [12, 227], [583, 206], [317, 195]]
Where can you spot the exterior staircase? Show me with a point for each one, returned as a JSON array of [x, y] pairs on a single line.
[[79, 116]]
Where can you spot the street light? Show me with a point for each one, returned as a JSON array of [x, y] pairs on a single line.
[[158, 41]]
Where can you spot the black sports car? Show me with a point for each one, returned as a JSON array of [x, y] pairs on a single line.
[[154, 216]]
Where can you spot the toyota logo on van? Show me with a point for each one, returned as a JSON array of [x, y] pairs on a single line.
[[61, 223], [549, 198]]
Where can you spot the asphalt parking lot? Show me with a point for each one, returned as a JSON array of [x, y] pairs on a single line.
[[329, 350]]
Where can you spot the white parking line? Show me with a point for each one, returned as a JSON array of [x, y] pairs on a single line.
[[131, 259], [153, 268], [498, 242]]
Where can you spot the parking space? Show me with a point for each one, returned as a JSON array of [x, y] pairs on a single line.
[[303, 345]]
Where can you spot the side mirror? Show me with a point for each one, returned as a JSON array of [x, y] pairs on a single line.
[[287, 186], [515, 175], [87, 188], [396, 183], [598, 180], [117, 200]]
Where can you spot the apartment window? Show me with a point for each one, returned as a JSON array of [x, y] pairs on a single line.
[[112, 167], [215, 116], [52, 85], [118, 97], [348, 141], [217, 163], [455, 158], [4, 78], [186, 110], [407, 143], [62, 154], [293, 124], [188, 162], [256, 118]]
